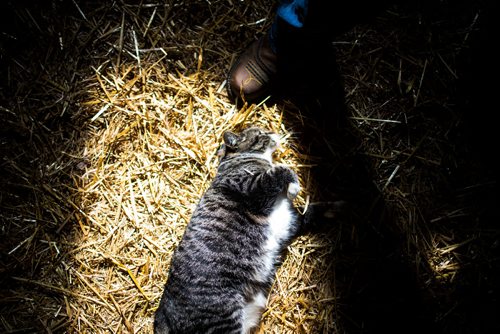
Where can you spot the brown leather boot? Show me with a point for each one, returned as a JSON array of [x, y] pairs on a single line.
[[251, 76]]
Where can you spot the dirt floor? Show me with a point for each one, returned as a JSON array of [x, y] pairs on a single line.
[[112, 112]]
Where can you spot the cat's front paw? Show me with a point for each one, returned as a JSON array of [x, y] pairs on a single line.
[[283, 178], [293, 190]]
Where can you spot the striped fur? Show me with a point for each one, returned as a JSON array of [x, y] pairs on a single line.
[[223, 268]]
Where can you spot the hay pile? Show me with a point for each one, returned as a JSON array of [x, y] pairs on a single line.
[[113, 112]]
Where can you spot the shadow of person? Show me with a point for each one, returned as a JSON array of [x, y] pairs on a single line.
[[377, 290]]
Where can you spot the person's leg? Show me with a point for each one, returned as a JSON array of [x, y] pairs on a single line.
[[251, 77], [296, 49], [293, 12]]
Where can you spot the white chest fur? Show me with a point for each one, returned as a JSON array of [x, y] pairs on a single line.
[[279, 225], [279, 229]]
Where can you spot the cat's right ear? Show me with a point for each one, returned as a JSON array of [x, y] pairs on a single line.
[[230, 139]]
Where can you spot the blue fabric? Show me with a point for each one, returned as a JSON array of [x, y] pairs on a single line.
[[293, 12]]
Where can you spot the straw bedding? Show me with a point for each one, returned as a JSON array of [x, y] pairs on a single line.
[[112, 115]]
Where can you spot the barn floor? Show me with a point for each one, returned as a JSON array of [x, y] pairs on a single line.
[[112, 113]]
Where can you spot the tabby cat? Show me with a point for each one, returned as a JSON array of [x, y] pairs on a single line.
[[223, 268]]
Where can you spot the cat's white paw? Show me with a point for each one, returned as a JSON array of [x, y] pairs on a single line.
[[293, 190]]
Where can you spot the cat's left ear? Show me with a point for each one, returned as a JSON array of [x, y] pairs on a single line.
[[230, 139]]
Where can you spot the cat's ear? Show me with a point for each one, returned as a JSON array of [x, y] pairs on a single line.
[[230, 139]]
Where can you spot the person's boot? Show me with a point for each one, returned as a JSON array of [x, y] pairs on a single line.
[[251, 77]]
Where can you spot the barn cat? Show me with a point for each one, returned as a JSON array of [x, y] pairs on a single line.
[[223, 268]]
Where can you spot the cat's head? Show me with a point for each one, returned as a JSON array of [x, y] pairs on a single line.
[[251, 140]]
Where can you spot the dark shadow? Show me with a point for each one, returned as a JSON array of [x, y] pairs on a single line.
[[476, 296], [37, 134]]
